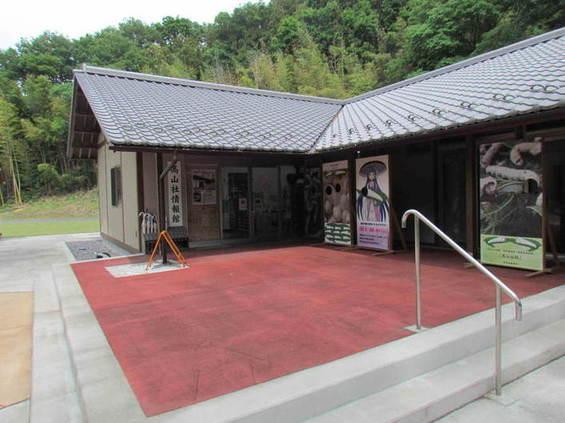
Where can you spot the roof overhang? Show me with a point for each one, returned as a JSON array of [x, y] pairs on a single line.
[[84, 129]]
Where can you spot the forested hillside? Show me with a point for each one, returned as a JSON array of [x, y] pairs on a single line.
[[332, 48]]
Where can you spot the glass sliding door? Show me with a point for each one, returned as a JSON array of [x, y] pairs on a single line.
[[266, 202], [235, 203], [452, 193]]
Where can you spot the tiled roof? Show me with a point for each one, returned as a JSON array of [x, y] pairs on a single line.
[[146, 110], [521, 78]]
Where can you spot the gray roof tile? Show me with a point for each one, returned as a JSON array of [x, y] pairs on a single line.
[[133, 109], [147, 110], [521, 78]]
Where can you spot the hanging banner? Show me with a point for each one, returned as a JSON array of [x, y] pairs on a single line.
[[312, 201], [511, 204], [372, 206], [174, 189], [204, 187], [337, 201]]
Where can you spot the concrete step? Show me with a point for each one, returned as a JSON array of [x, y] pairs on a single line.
[[303, 395], [54, 397], [436, 393]]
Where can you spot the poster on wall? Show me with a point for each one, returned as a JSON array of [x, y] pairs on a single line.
[[337, 200], [511, 198], [174, 188], [204, 187], [372, 205], [312, 202]]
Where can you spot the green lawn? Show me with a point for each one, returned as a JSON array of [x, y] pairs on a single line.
[[78, 204], [59, 226], [63, 214]]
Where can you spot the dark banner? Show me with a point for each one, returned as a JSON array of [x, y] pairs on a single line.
[[511, 204]]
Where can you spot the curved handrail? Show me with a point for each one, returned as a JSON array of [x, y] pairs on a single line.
[[500, 286], [468, 257]]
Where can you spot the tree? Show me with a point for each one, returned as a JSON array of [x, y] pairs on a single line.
[[439, 30], [9, 149], [50, 55], [334, 48]]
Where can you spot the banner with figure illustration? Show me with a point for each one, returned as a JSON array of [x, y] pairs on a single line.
[[511, 201], [337, 203], [372, 206]]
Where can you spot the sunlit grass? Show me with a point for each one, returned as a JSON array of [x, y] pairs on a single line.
[[62, 226], [77, 204]]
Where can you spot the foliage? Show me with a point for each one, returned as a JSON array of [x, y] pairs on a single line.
[[334, 48]]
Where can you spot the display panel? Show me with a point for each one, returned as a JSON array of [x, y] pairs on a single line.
[[372, 206], [511, 199], [337, 203], [204, 187]]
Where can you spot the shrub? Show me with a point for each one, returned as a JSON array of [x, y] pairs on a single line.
[[48, 178]]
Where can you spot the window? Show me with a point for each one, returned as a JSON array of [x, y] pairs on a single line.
[[116, 185]]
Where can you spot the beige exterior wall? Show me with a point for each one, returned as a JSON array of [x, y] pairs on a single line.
[[130, 199], [119, 222]]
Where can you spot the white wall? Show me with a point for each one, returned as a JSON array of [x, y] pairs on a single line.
[[119, 222]]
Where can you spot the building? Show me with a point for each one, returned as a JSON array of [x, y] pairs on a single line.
[[476, 146]]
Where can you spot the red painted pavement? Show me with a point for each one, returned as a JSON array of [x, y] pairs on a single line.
[[236, 319]]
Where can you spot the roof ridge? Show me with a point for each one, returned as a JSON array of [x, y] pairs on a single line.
[[528, 42], [203, 84]]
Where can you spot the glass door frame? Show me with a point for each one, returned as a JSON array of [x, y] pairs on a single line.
[[223, 173], [253, 235]]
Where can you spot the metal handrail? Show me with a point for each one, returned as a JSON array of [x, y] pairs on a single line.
[[500, 286]]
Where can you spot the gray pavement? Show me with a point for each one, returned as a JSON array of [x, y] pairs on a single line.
[[538, 397], [25, 265]]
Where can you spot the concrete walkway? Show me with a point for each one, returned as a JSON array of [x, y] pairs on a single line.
[[25, 266], [538, 397]]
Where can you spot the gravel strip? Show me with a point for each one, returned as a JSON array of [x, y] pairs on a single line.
[[88, 250]]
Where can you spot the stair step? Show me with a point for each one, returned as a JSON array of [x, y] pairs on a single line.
[[434, 394]]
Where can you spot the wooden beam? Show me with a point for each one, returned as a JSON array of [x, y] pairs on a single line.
[[140, 196], [471, 197]]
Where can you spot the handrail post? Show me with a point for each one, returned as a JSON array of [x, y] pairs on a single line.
[[500, 286], [498, 319], [418, 280]]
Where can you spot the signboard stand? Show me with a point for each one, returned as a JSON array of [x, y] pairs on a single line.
[[372, 203], [336, 207], [396, 224]]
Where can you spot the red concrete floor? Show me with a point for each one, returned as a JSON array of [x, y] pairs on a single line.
[[236, 319]]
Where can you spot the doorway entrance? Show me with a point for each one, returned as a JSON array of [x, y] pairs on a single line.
[[451, 191], [554, 174], [235, 203], [266, 208]]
